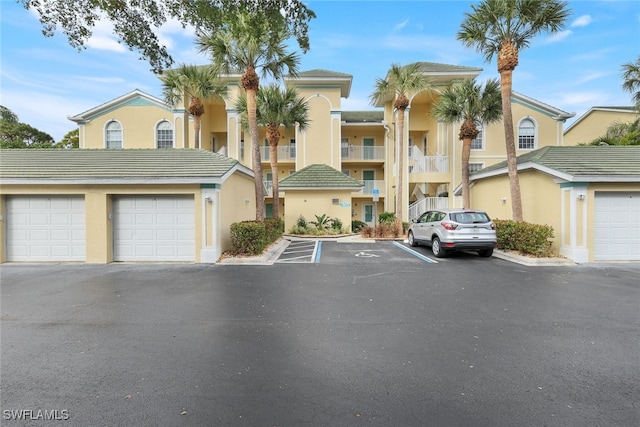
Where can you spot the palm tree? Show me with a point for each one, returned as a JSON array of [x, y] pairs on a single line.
[[276, 107], [249, 42], [469, 103], [199, 84], [401, 82], [631, 76], [503, 28]]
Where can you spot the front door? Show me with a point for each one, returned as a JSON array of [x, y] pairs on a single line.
[[368, 214]]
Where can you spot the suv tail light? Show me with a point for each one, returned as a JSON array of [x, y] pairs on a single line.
[[448, 226]]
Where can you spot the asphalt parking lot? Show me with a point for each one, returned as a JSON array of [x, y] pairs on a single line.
[[354, 339]]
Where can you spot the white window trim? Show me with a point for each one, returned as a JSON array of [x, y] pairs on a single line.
[[106, 125], [173, 133], [483, 130], [535, 134]]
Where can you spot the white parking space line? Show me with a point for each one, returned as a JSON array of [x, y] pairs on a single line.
[[414, 253], [300, 252]]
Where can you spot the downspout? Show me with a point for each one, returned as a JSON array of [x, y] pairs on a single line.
[[385, 124]]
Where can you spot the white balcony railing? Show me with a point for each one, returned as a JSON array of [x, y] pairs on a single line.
[[362, 152], [430, 164], [428, 203], [268, 188], [370, 185], [285, 152]]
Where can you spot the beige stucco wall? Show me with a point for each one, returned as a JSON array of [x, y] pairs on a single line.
[[595, 124], [237, 203], [310, 203], [138, 126], [541, 200], [228, 206]]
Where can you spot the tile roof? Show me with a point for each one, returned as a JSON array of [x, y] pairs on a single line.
[[373, 116], [101, 164], [318, 72], [580, 162], [319, 177], [434, 67]]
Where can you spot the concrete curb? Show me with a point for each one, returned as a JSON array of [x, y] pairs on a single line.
[[269, 257], [530, 261]]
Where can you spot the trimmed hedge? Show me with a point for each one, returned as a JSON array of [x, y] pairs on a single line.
[[252, 237], [524, 237]]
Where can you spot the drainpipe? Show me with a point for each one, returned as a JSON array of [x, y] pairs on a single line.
[[561, 118]]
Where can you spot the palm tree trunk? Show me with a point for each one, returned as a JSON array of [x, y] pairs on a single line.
[[466, 153], [400, 176], [257, 165], [197, 124], [514, 182], [273, 137]]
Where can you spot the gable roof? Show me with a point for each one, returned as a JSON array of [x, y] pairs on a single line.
[[135, 97], [319, 177], [51, 166], [320, 77], [577, 164], [632, 111]]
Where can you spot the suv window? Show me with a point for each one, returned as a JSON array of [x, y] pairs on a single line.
[[470, 217]]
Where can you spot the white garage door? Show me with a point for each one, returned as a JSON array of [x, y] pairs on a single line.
[[45, 228], [154, 228], [617, 226]]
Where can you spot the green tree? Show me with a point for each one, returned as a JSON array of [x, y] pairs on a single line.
[[276, 107], [250, 42], [7, 115], [469, 103], [198, 83], [400, 83], [70, 140], [503, 28], [136, 23], [620, 134], [22, 135], [631, 76]]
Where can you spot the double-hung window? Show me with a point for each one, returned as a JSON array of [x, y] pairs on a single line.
[[113, 135]]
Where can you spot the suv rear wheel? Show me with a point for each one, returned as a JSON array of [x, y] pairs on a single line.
[[412, 240], [485, 253], [437, 250]]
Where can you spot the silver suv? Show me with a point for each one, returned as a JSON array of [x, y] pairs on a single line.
[[448, 230]]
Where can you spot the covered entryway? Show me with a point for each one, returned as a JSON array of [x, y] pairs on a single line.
[[45, 228], [616, 226], [153, 228]]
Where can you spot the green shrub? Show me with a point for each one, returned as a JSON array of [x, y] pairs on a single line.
[[274, 228], [322, 222], [524, 237], [248, 238], [386, 218], [336, 225], [301, 222], [357, 225]]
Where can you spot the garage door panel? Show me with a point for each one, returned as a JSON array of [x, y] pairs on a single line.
[[616, 226], [154, 228]]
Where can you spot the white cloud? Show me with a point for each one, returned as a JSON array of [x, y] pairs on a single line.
[[591, 77], [401, 25], [558, 37], [582, 21]]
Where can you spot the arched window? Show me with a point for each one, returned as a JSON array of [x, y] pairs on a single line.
[[113, 135], [526, 134], [164, 135]]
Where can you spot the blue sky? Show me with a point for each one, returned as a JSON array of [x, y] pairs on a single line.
[[44, 80]]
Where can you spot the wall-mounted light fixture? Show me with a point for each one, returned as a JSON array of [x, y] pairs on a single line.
[[581, 196], [207, 199], [503, 200]]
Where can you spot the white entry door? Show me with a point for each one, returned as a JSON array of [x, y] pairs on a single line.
[[45, 228], [617, 226], [154, 228]]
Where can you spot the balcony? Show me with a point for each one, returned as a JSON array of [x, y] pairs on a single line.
[[357, 153], [285, 153], [369, 186], [430, 164]]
